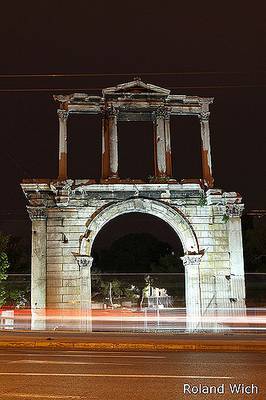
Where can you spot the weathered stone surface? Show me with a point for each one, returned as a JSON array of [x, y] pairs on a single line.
[[70, 282], [73, 290], [54, 267], [54, 251], [67, 215], [71, 298]]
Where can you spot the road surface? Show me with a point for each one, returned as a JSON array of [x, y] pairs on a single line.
[[73, 375]]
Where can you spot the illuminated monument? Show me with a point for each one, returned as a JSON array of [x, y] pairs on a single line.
[[68, 214]]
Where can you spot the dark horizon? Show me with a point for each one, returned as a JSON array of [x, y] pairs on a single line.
[[210, 51]]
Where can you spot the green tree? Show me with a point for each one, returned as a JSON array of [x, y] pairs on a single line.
[[132, 253], [4, 265], [136, 257], [14, 257]]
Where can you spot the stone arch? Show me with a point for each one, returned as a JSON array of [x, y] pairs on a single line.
[[167, 213]]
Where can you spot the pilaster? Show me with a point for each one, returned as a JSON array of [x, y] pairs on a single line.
[[193, 292], [109, 143], [206, 149], [84, 263], [161, 143], [62, 116], [38, 217]]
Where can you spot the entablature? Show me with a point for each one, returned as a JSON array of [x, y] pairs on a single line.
[[134, 96]]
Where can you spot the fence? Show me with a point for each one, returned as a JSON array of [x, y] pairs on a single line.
[[136, 302]]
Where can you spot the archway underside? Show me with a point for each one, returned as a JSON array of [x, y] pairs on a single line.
[[156, 208]]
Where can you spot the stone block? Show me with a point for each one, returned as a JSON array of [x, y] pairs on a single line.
[[72, 243], [71, 236], [63, 290], [213, 241], [54, 222], [56, 298], [67, 251], [80, 222], [54, 275], [54, 236], [54, 267], [69, 259], [71, 298], [70, 267], [209, 257], [54, 282], [54, 259], [67, 229], [56, 251], [71, 282], [217, 249], [62, 213], [71, 274]]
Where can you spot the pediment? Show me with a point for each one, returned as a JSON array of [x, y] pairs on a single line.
[[136, 86]]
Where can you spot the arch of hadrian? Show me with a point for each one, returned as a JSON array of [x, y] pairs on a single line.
[[67, 214]]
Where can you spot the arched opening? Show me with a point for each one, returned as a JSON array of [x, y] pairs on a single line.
[[137, 263]]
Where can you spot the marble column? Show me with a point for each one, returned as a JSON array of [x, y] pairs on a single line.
[[62, 116], [237, 276], [85, 262], [160, 163], [109, 144], [38, 217], [169, 168], [206, 149], [193, 292], [105, 146]]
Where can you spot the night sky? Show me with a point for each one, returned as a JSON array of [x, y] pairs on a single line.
[[214, 49]]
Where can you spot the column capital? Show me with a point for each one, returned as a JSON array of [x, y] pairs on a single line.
[[204, 116], [37, 213], [83, 261], [234, 210], [62, 190], [110, 111], [191, 260], [161, 112], [62, 114]]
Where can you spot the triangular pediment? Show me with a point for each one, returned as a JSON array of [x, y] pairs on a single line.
[[136, 86]]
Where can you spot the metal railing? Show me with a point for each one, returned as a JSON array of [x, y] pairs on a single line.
[[137, 302]]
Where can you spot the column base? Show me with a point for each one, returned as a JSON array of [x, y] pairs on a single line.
[[38, 319]]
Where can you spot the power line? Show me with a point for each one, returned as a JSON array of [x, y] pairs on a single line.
[[30, 90], [132, 74], [16, 163]]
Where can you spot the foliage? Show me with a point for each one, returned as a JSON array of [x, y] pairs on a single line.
[[140, 254], [2, 296], [111, 290], [15, 296], [4, 265], [18, 251], [14, 257], [4, 240], [132, 253]]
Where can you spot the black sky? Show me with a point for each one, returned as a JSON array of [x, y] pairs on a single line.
[[213, 49]]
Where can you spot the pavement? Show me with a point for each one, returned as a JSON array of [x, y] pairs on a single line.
[[103, 341], [33, 374]]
